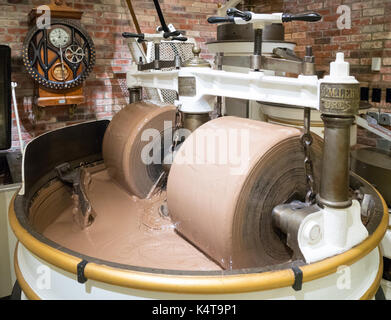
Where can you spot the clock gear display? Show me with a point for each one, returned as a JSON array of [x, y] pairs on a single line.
[[61, 57]]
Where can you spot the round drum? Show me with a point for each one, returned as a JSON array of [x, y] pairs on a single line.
[[225, 181], [134, 134], [374, 165]]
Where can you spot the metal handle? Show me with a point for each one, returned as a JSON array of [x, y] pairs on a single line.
[[245, 15], [179, 38], [221, 19], [171, 34], [309, 17], [133, 35]]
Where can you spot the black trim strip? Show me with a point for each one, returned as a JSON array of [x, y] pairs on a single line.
[[81, 278], [298, 284], [380, 294]]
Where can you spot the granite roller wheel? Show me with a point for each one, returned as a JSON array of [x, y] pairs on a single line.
[[226, 212], [123, 145]]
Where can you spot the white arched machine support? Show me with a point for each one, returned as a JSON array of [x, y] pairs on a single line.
[[324, 233], [333, 225]]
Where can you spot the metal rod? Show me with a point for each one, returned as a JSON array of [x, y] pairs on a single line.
[[156, 62], [14, 85], [256, 58], [219, 102], [135, 21], [157, 51], [258, 34], [192, 121], [161, 16], [135, 94]]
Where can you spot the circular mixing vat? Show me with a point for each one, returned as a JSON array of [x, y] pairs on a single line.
[[130, 248]]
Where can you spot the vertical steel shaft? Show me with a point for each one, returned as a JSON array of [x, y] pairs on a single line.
[[219, 104], [157, 51], [192, 121], [334, 188], [256, 58], [157, 56], [135, 94], [258, 42]]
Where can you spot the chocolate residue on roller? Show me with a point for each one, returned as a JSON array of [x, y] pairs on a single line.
[[127, 230], [124, 143], [226, 212]]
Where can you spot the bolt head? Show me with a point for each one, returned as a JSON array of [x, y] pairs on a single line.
[[312, 232]]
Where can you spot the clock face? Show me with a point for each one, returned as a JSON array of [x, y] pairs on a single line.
[[59, 37]]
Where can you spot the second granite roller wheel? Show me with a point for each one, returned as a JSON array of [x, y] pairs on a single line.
[[131, 130]]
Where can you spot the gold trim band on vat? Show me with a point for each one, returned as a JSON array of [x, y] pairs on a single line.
[[190, 284], [31, 295]]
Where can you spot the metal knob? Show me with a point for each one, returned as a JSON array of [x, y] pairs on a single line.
[[197, 61], [196, 50]]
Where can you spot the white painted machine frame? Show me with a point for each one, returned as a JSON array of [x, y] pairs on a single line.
[[338, 231], [257, 86]]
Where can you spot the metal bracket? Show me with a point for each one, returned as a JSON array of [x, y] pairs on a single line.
[[282, 65], [287, 54], [298, 284], [288, 218], [284, 62], [77, 178], [81, 278], [157, 65]]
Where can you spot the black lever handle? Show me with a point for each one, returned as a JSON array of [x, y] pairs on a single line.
[[171, 34], [179, 38], [245, 15], [221, 19], [309, 17], [133, 35]]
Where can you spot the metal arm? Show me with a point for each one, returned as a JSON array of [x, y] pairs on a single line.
[[258, 62], [243, 17], [331, 226], [197, 87], [161, 16], [155, 37]]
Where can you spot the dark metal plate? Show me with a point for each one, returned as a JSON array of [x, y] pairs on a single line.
[[374, 165], [73, 144]]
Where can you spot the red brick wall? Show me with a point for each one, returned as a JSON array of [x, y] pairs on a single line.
[[105, 20], [370, 36]]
